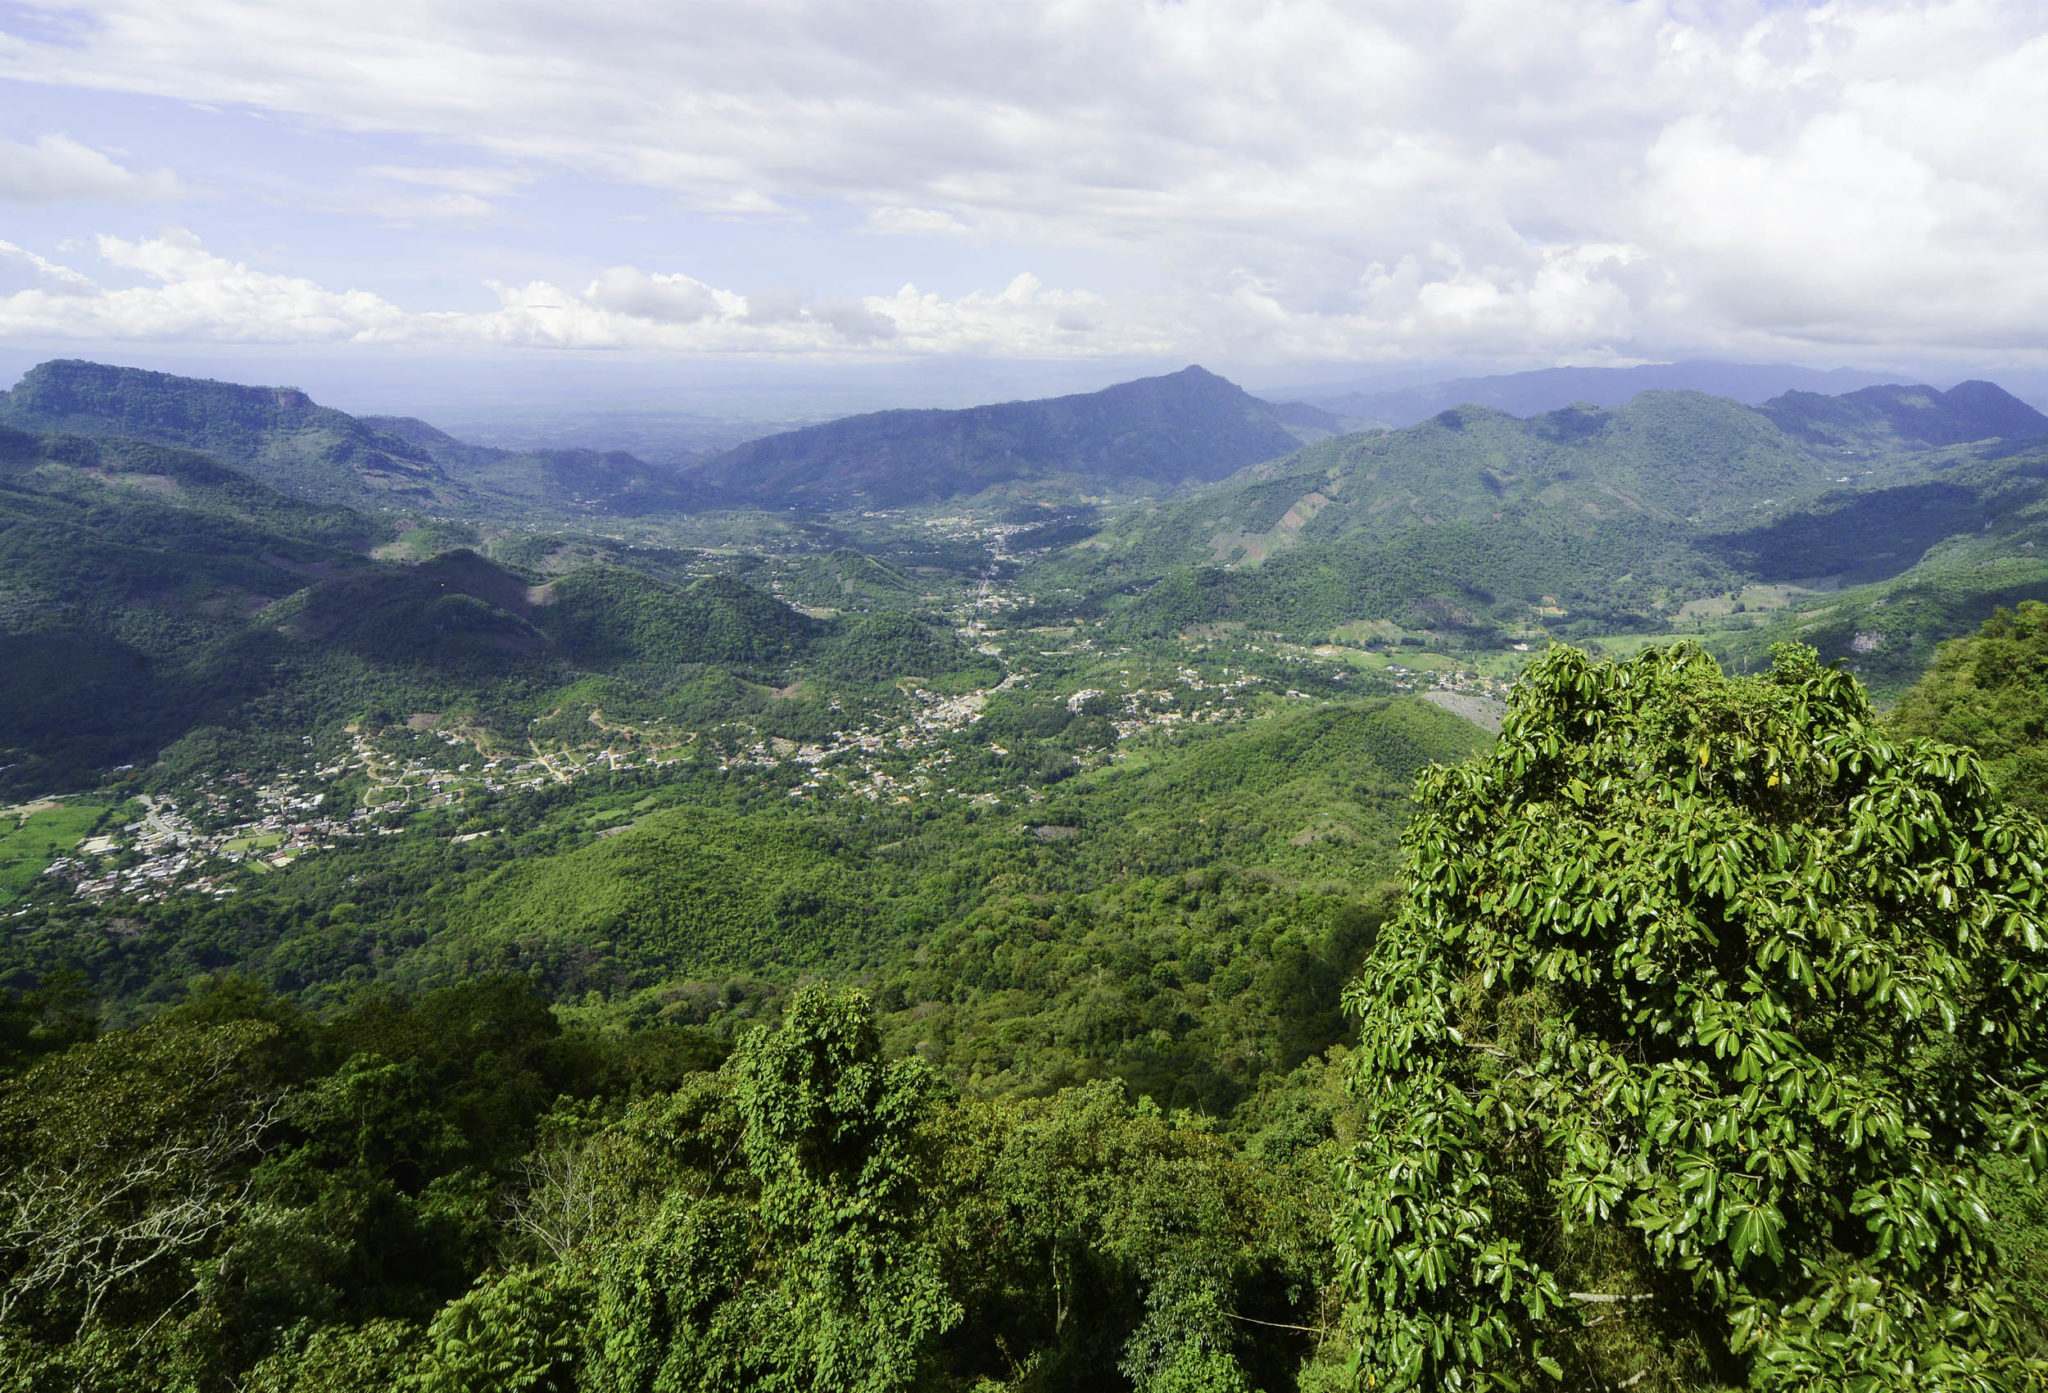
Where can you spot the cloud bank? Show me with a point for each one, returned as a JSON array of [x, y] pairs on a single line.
[[1570, 179], [182, 292]]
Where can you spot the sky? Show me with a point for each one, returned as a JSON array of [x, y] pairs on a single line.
[[649, 189]]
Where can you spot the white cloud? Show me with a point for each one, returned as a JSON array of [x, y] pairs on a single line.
[[61, 279], [914, 222], [183, 291], [1572, 179], [58, 169], [855, 321], [665, 299], [188, 293]]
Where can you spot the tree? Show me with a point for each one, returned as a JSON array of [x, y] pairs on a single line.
[[1093, 1232], [513, 1332], [126, 1184], [1707, 1009], [810, 1268], [127, 1161]]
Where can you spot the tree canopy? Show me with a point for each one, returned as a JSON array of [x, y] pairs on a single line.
[[1692, 1049]]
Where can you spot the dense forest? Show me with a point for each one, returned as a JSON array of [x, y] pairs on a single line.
[[1699, 1045]]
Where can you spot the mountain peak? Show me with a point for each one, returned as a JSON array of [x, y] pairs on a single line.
[[1992, 404], [1177, 428]]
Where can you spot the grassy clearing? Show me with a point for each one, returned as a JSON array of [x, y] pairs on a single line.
[[1751, 599], [255, 841], [29, 842]]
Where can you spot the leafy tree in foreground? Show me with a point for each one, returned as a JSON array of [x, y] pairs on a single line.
[[1707, 1014]]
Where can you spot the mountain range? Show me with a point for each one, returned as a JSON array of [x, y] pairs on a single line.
[[173, 548], [1549, 389], [281, 437], [1581, 520], [1147, 435], [1892, 416], [1153, 435], [148, 590]]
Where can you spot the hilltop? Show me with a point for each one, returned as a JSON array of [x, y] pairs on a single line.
[[1157, 432], [281, 437]]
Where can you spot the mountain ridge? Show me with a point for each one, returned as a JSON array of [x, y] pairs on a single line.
[[1475, 518], [1894, 415], [281, 437], [1541, 390], [1183, 427]]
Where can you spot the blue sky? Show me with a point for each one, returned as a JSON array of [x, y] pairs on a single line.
[[1281, 190]]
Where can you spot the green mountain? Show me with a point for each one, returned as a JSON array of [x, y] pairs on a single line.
[[1581, 520], [278, 435], [281, 437], [1552, 389], [1919, 564], [1895, 417], [607, 617], [129, 575], [889, 644], [1471, 512], [147, 591], [1989, 691], [1153, 433], [461, 616]]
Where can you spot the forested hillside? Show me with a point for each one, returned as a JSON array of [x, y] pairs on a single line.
[[1550, 389], [1887, 417], [148, 591], [1582, 522], [279, 436], [1613, 1106], [130, 575], [1989, 691], [1188, 427], [755, 784]]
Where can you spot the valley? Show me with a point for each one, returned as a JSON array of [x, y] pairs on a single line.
[[869, 652], [1076, 789]]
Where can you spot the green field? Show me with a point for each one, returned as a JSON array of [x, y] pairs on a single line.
[[30, 842], [256, 841]]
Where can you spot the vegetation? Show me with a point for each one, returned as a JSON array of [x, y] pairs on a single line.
[[1886, 417], [1580, 522], [1624, 1107], [281, 437], [1696, 1046], [1186, 427], [1990, 692], [387, 1200], [32, 836], [910, 951]]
